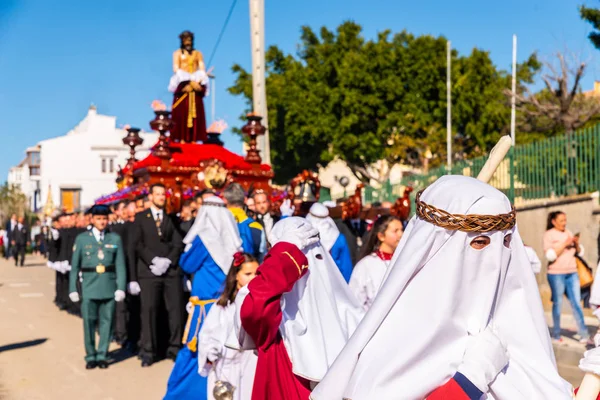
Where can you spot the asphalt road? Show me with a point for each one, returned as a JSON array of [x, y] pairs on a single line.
[[41, 348]]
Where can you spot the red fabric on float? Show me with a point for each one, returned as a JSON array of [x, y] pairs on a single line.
[[191, 154]]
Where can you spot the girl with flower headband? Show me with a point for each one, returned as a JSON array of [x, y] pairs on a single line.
[[375, 257], [211, 244], [219, 356]]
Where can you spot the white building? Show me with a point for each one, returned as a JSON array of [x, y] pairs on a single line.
[[26, 177], [82, 165]]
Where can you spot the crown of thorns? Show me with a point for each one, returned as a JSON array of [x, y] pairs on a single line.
[[464, 223]]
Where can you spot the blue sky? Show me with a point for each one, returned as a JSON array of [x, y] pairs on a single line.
[[58, 57]]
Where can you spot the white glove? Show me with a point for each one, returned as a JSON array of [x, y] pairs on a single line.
[[294, 230], [212, 354], [74, 296], [156, 270], [62, 266], [134, 288], [484, 358], [287, 209], [189, 307], [119, 295], [591, 359], [160, 265], [58, 266], [188, 285], [156, 266], [50, 265]]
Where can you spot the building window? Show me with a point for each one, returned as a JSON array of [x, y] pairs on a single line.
[[104, 165], [112, 165], [34, 158], [34, 171]]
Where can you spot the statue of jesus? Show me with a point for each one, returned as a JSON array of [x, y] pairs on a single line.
[[189, 85]]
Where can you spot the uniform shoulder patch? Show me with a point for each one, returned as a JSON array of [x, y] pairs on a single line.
[[255, 225]]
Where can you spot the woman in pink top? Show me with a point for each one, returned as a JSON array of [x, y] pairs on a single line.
[[560, 248]]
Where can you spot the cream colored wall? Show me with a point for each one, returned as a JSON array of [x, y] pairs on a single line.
[[581, 218]]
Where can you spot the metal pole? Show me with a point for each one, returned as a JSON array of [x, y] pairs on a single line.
[[259, 95], [213, 101], [449, 107], [513, 112]]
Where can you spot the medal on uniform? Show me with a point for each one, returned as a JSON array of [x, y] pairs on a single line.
[[100, 255], [100, 269]]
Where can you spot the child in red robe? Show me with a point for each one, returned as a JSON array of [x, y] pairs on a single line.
[[299, 318]]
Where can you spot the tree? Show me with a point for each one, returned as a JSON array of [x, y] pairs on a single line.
[[560, 106], [375, 103], [12, 201], [592, 15]]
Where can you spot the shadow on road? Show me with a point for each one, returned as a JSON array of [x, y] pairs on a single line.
[[21, 345], [573, 334], [120, 355]]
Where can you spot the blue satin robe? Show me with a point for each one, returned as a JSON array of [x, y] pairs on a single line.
[[185, 383]]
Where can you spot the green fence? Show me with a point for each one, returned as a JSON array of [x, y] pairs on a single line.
[[560, 166]]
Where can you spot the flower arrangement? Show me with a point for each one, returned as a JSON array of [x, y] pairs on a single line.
[[218, 126], [158, 105]]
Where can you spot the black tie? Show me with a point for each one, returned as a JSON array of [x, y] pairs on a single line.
[[158, 222]]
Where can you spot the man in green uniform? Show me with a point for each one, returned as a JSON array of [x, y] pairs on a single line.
[[100, 257]]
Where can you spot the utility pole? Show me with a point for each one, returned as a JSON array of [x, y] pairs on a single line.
[[514, 91], [449, 106], [513, 116], [259, 94]]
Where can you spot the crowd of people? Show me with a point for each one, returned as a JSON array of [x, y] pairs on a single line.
[[254, 304], [175, 267]]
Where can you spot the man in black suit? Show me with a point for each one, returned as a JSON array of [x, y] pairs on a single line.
[[121, 308], [19, 240], [10, 226], [185, 218], [263, 215], [156, 246]]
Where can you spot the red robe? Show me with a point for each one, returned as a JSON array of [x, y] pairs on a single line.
[[190, 122], [450, 391], [261, 316], [453, 391]]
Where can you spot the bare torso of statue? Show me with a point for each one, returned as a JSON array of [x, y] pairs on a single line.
[[188, 62]]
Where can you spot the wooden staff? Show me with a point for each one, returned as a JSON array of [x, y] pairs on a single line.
[[497, 155]]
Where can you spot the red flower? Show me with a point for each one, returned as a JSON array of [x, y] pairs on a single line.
[[238, 259]]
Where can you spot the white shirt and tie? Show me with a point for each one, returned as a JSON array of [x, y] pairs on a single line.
[[99, 235], [267, 220], [157, 213]]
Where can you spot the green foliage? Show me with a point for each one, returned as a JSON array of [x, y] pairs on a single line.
[[592, 15], [362, 101], [12, 201]]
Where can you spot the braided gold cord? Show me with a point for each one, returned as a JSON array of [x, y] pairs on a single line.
[[464, 223]]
